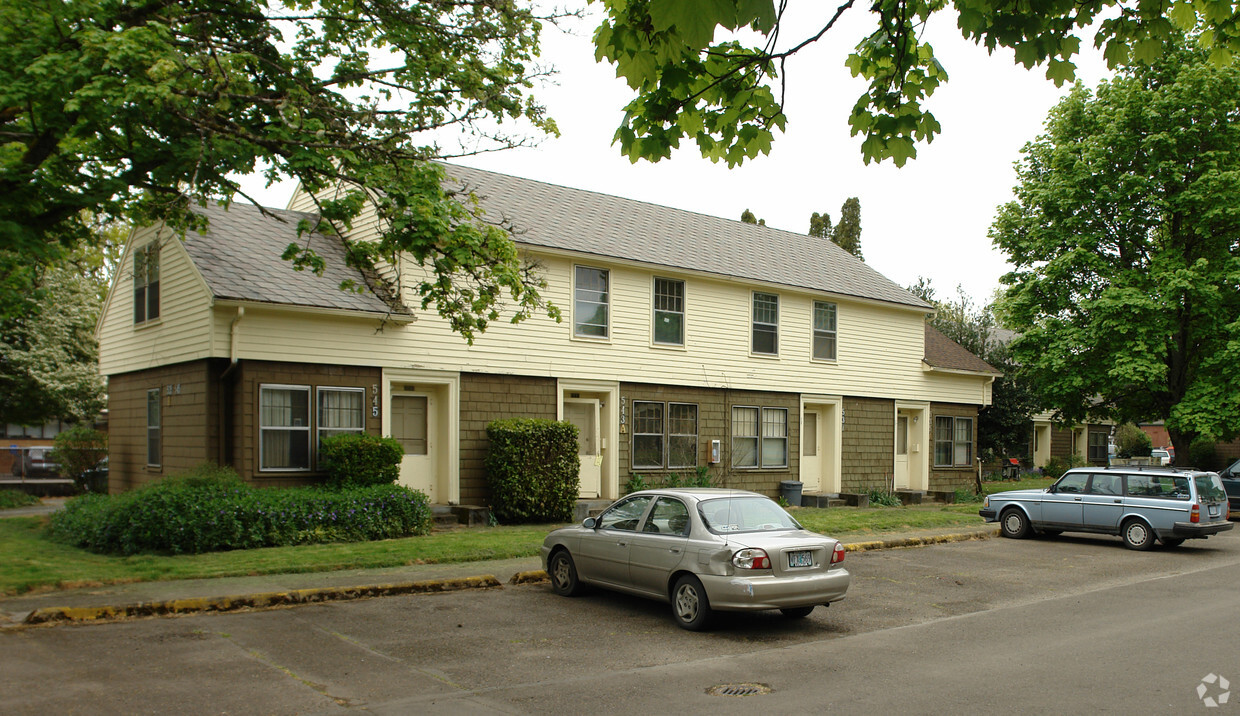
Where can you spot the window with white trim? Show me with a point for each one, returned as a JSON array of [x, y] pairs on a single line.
[[154, 432], [669, 312], [341, 410], [647, 435], [284, 427], [682, 435], [146, 283], [765, 323], [824, 330], [953, 442], [591, 302], [759, 437]]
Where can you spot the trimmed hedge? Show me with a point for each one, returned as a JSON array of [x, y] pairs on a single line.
[[360, 459], [532, 470], [190, 516]]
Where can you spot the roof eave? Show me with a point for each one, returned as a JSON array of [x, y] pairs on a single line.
[[401, 318]]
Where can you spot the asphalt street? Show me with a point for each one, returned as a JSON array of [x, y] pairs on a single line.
[[1038, 626]]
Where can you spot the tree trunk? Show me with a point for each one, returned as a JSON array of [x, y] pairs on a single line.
[[1181, 441]]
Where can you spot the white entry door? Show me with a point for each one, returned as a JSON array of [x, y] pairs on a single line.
[[812, 452], [584, 413], [901, 466], [414, 428]]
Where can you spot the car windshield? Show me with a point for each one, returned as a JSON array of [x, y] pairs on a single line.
[[744, 514], [1209, 489]]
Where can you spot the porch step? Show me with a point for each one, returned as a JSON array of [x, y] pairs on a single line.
[[454, 515], [909, 497]]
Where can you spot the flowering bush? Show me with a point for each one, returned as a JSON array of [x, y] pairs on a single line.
[[189, 517]]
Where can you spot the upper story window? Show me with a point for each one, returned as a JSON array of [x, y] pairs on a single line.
[[953, 442], [765, 323], [146, 283], [824, 330], [591, 302], [669, 312]]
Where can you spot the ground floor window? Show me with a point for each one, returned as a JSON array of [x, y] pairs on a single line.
[[953, 442], [153, 428], [341, 410], [664, 435], [1098, 446], [759, 437], [284, 427]]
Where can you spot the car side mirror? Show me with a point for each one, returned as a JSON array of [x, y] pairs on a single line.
[[590, 523], [1051, 489]]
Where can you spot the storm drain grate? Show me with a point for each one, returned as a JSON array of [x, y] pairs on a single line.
[[738, 690]]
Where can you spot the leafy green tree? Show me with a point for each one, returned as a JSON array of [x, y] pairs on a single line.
[[847, 233], [136, 111], [1003, 427], [1125, 237], [723, 95], [820, 225], [748, 217], [49, 359]]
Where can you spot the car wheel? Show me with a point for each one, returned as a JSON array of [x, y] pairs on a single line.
[[1014, 524], [563, 574], [690, 605], [1137, 535], [797, 612], [1172, 541]]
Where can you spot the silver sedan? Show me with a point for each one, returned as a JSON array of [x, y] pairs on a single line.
[[702, 550]]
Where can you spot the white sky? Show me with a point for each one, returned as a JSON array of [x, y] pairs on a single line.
[[929, 218]]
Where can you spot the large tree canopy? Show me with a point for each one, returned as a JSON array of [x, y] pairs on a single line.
[[141, 109], [1125, 237], [723, 94]]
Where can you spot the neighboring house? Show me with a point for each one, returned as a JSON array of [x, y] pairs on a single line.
[[1090, 442], [1225, 452], [688, 341]]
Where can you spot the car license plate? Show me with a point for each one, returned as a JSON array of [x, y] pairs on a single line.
[[800, 559], [1214, 510]]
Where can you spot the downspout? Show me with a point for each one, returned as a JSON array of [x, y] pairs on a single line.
[[226, 391]]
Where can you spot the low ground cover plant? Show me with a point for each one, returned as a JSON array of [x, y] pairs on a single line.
[[210, 509], [16, 498]]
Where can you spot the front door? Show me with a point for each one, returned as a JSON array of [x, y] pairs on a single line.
[[811, 452], [584, 413], [413, 428], [901, 466]]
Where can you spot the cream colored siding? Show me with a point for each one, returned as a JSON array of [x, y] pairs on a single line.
[[880, 348], [182, 329]]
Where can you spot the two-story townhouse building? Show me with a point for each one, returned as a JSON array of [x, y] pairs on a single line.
[[688, 342]]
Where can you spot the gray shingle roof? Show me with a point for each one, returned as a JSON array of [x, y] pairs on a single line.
[[943, 352], [551, 216], [239, 256]]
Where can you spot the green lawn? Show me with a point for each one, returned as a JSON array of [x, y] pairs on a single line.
[[33, 562]]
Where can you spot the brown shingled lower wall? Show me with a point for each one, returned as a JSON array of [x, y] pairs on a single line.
[[485, 398]]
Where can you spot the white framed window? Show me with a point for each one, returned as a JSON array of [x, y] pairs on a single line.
[[669, 312], [824, 330], [341, 410], [759, 437], [682, 435], [591, 302], [647, 435], [953, 442], [284, 427], [146, 283], [765, 324], [154, 432]]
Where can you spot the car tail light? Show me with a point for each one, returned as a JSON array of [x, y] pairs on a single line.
[[837, 555], [1195, 515], [751, 559]]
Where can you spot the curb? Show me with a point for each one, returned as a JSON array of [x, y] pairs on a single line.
[[264, 600], [51, 616]]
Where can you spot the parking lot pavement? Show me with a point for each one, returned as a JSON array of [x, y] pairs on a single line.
[[141, 599]]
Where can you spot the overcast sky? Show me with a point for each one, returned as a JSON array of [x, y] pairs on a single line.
[[929, 218]]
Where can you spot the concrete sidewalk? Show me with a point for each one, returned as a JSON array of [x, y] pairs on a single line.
[[187, 596]]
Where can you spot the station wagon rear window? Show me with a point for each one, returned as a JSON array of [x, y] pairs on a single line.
[[1209, 489], [1168, 487]]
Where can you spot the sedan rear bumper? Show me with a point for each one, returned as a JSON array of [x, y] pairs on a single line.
[[740, 593], [1193, 530]]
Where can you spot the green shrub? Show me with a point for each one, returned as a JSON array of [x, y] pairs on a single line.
[[189, 516], [204, 474], [1056, 467], [360, 459], [1201, 454], [532, 470], [1131, 441], [880, 497], [16, 498], [964, 495], [77, 451], [635, 483]]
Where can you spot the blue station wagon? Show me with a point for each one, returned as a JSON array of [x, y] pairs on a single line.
[[1140, 504]]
